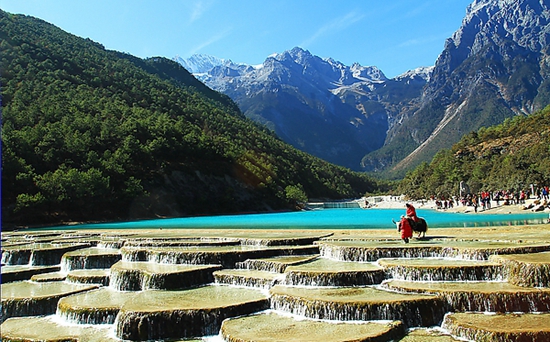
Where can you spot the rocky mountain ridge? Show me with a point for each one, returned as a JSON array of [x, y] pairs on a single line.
[[495, 66], [345, 109]]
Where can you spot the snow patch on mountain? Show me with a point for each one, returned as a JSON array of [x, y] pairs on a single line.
[[199, 63], [217, 72], [423, 73]]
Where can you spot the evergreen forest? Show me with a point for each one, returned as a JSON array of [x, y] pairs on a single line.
[[90, 134]]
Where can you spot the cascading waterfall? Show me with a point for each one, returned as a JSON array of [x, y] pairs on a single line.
[[498, 302], [189, 257], [370, 254], [371, 251], [247, 278], [275, 264], [185, 243], [479, 296], [126, 280], [134, 254], [344, 278], [531, 275], [178, 280], [95, 276], [90, 258], [532, 270], [444, 274], [335, 205], [137, 276], [89, 316], [28, 307], [277, 242], [12, 256], [418, 313], [225, 256], [53, 254], [261, 265], [427, 269], [165, 325], [485, 253], [111, 244]]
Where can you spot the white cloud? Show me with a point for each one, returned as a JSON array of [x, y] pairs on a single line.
[[211, 40], [198, 9], [419, 9], [410, 42], [335, 25], [422, 41]]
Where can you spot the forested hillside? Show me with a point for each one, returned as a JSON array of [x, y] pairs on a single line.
[[91, 134], [509, 156]]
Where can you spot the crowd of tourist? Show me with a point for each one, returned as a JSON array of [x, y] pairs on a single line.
[[484, 199]]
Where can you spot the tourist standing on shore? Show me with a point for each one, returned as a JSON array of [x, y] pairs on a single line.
[[405, 228], [522, 197], [486, 200]]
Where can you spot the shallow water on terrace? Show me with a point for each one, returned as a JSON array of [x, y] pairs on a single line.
[[328, 219], [27, 289], [329, 265], [206, 297]]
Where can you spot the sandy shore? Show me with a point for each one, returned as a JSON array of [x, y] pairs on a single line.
[[392, 202]]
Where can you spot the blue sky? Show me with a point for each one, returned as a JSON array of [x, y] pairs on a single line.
[[394, 35]]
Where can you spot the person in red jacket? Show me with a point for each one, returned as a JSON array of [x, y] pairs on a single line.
[[405, 228], [411, 212]]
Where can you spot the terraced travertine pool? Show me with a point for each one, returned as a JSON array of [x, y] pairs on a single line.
[[482, 284]]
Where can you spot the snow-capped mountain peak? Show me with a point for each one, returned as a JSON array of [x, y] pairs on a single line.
[[199, 63]]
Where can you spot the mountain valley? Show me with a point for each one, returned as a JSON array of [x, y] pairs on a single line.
[[495, 66]]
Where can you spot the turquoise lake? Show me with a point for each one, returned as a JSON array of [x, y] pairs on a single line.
[[326, 219]]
